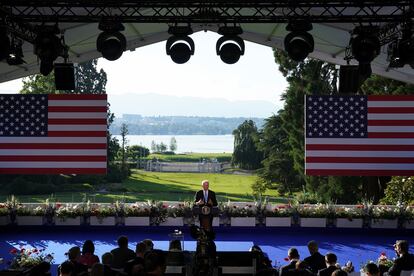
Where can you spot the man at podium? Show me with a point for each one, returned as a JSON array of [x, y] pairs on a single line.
[[205, 199]]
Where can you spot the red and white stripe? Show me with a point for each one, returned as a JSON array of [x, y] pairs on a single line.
[[76, 142], [388, 150]]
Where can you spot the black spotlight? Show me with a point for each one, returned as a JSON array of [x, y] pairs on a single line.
[[4, 43], [47, 47], [111, 43], [230, 46], [365, 44], [299, 43], [401, 51], [15, 56], [180, 47]]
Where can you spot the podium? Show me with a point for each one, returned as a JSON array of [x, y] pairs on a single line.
[[205, 213]]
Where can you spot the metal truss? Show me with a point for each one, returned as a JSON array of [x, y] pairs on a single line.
[[180, 11]]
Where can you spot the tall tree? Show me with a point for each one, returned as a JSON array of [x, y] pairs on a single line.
[[124, 142], [173, 144], [245, 153]]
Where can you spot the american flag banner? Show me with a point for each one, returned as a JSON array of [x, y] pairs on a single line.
[[53, 134], [359, 135]]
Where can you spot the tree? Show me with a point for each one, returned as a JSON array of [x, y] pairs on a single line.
[[173, 144], [124, 141], [278, 161], [136, 152], [153, 146], [162, 147], [245, 154]]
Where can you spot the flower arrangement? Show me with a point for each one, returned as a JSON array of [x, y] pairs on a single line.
[[313, 211], [248, 210], [384, 261], [138, 209], [384, 212], [175, 211], [27, 211], [158, 212], [4, 211], [26, 258], [68, 211], [408, 213], [102, 211], [357, 211], [283, 210]]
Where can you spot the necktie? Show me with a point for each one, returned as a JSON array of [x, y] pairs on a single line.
[[205, 196]]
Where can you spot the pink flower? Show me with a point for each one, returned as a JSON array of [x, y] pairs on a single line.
[[13, 251], [286, 259], [383, 254]]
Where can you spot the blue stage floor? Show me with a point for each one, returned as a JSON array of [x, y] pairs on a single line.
[[358, 246]]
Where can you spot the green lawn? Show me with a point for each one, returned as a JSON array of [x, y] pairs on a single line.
[[143, 185]]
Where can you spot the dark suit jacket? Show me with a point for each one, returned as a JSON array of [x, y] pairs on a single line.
[[405, 262], [121, 256], [327, 271], [211, 195], [315, 262], [285, 270]]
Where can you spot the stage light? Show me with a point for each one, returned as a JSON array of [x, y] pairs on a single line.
[[401, 51], [230, 46], [47, 47], [4, 43], [365, 44], [111, 43], [180, 47], [299, 43], [15, 56]]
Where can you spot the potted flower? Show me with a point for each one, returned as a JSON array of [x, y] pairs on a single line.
[[27, 215], [175, 215], [25, 258], [279, 216], [383, 216], [349, 217], [4, 214], [244, 216], [137, 214], [68, 214], [409, 217], [158, 212], [102, 215], [314, 215]]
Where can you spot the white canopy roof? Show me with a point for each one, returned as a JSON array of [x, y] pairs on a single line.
[[331, 39]]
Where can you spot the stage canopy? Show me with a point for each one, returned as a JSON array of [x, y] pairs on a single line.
[[263, 22]]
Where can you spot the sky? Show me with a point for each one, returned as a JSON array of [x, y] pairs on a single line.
[[149, 70]]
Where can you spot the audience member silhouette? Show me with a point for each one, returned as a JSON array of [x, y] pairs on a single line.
[[155, 262], [330, 260], [122, 254], [88, 258], [405, 260], [316, 261], [78, 268], [293, 256]]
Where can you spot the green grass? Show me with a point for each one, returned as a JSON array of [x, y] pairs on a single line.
[[143, 185], [192, 157]]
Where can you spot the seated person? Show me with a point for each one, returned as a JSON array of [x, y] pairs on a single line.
[[405, 260], [74, 256], [300, 269], [107, 262], [330, 260], [316, 261], [372, 269], [293, 256], [136, 265], [339, 272], [155, 263], [175, 246], [97, 270], [149, 244], [122, 254], [66, 268], [88, 258], [263, 261]]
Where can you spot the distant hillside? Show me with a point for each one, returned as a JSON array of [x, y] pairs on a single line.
[[162, 105], [179, 125]]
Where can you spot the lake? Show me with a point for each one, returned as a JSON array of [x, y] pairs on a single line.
[[187, 143]]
